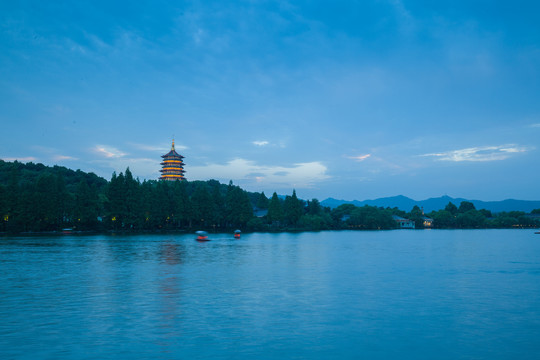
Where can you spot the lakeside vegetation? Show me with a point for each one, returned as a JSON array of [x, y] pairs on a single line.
[[38, 198]]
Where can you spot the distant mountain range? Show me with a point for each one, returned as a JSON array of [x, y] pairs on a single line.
[[406, 204]]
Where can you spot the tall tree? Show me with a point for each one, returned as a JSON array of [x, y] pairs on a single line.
[[3, 209], [275, 210], [314, 207], [86, 207], [203, 206], [293, 209], [181, 204], [116, 200], [218, 216], [262, 202], [238, 206], [133, 216]]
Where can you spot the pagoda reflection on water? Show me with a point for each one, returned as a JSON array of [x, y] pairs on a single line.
[[173, 166]]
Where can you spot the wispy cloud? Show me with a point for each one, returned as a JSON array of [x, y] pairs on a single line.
[[301, 175], [108, 151], [537, 125], [481, 153], [260, 143], [50, 153], [359, 157], [64, 157]]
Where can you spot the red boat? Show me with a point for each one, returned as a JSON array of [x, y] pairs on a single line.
[[237, 234], [202, 236]]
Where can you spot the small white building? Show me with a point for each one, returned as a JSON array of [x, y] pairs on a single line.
[[403, 223]]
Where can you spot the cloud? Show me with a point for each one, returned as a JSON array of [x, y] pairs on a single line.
[[537, 125], [108, 151], [359, 157], [260, 143], [63, 157], [481, 153], [301, 175]]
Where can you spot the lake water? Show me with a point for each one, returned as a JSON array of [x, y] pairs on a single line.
[[429, 294]]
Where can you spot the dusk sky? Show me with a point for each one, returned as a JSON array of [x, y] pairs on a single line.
[[344, 99]]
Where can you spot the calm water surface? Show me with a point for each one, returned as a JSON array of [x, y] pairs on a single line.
[[329, 295]]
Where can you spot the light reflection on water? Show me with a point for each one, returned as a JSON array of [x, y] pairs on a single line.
[[392, 294]]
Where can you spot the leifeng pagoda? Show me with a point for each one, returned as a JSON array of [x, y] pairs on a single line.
[[173, 166]]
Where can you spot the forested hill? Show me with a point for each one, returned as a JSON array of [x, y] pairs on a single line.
[[37, 198], [28, 174]]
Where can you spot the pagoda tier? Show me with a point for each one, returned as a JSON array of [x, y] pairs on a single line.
[[173, 166]]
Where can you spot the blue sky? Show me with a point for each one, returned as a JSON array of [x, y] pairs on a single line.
[[345, 99]]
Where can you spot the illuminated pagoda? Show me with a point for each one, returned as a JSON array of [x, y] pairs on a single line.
[[173, 166]]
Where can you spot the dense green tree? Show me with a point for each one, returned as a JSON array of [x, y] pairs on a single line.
[[526, 221], [218, 216], [256, 224], [150, 205], [14, 203], [486, 213], [133, 216], [396, 211], [341, 212], [323, 221], [451, 208], [203, 206], [275, 210], [466, 206], [371, 218], [3, 208], [471, 219], [314, 207], [86, 208], [443, 219], [116, 201], [181, 203], [504, 221], [47, 208], [293, 209], [262, 201], [238, 206], [515, 214]]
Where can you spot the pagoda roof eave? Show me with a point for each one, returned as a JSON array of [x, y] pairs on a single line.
[[172, 153]]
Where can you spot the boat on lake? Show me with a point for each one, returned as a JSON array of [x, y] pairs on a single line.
[[237, 234], [202, 236]]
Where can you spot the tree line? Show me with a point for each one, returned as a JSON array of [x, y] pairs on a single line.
[[37, 198], [466, 216]]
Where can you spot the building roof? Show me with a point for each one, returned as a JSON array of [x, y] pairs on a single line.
[[172, 153], [399, 218]]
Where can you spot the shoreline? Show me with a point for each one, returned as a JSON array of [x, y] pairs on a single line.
[[183, 231]]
